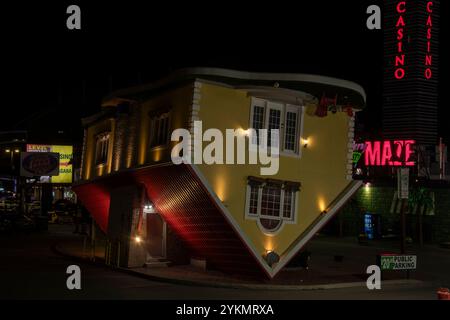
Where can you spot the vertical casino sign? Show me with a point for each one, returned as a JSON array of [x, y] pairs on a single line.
[[410, 17], [411, 70], [429, 28]]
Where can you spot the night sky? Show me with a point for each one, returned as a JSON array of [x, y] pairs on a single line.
[[54, 76]]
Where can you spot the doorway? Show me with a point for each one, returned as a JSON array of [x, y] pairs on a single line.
[[156, 235]]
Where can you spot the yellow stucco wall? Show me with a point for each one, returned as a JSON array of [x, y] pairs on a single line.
[[321, 168]]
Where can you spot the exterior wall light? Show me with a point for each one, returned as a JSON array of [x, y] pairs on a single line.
[[137, 239], [271, 257], [148, 208], [305, 143]]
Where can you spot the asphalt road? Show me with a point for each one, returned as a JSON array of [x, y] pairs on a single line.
[[30, 270]]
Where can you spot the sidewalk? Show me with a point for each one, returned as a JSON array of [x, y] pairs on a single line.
[[324, 272]]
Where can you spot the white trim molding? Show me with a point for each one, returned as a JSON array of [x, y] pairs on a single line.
[[351, 139]]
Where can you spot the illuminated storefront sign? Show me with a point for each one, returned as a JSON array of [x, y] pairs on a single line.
[[65, 160], [389, 153]]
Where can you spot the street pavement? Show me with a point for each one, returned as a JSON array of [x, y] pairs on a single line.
[[29, 269]]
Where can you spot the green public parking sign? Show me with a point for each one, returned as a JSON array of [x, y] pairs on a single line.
[[397, 262]]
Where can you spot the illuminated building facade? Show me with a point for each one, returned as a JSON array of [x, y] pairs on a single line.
[[229, 215]]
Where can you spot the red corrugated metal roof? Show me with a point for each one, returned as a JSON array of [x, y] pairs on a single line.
[[185, 204]]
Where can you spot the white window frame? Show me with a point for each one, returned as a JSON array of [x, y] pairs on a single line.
[[284, 107], [256, 217]]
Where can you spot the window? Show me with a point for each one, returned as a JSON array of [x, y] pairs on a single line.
[[102, 148], [284, 117], [271, 202], [159, 130], [257, 121]]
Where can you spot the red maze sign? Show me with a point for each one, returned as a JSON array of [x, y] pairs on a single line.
[[394, 153], [39, 164]]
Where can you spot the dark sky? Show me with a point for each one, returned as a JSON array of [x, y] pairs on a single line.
[[55, 76]]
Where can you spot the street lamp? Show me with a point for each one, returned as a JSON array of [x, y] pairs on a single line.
[[11, 152]]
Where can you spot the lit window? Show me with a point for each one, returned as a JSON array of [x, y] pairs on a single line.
[[271, 202], [159, 130], [284, 117], [102, 148]]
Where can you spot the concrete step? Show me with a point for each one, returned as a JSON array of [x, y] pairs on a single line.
[[156, 262]]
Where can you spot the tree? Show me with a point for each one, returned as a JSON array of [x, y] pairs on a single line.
[[421, 200]]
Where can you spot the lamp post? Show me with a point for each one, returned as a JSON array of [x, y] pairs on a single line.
[[13, 167]]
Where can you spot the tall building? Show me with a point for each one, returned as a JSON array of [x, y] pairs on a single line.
[[410, 84]]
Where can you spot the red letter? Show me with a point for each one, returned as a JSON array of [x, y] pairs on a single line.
[[429, 5], [399, 73], [429, 33], [398, 152], [372, 154], [400, 22], [400, 47], [400, 60], [428, 46], [428, 73], [401, 7], [428, 60], [387, 153], [400, 34], [429, 21], [409, 152]]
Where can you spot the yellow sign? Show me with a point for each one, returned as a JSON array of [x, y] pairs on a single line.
[[65, 160]]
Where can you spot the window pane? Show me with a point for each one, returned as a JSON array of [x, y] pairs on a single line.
[[290, 131], [257, 122], [287, 205], [270, 224], [270, 204], [274, 123], [253, 205]]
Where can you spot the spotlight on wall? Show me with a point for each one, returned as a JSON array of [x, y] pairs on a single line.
[[271, 257], [305, 142]]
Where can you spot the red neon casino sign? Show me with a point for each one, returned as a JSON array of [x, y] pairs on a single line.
[[429, 26], [394, 153], [399, 72], [401, 9]]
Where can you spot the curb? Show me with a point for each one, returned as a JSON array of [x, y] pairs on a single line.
[[212, 284]]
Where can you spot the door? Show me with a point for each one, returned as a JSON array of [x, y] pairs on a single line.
[[156, 231]]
